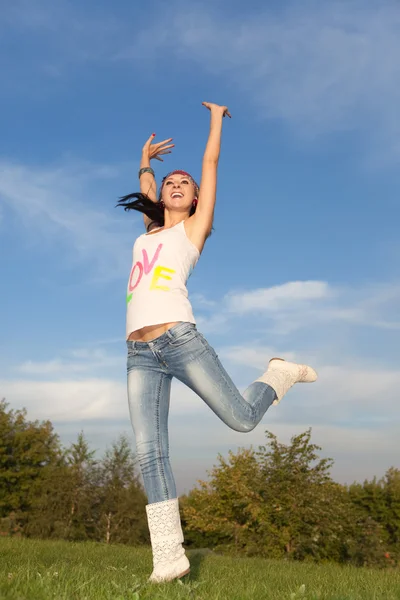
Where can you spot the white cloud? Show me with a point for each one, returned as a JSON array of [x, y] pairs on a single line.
[[66, 400], [86, 399], [317, 66], [278, 297], [201, 301], [351, 394], [352, 408], [348, 393], [82, 361], [214, 323], [354, 386], [60, 204], [254, 357], [300, 304]]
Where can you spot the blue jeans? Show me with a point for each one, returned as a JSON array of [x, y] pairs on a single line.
[[181, 352]]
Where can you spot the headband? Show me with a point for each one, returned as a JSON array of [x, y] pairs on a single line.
[[178, 172]]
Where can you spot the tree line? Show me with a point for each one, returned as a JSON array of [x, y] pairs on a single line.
[[277, 501]]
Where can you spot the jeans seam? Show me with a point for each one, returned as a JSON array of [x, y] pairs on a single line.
[[207, 347], [160, 463]]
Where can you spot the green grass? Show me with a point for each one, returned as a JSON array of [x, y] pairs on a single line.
[[40, 570]]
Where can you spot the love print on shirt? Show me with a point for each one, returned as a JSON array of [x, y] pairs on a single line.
[[145, 267]]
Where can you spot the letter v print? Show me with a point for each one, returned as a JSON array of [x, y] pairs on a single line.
[[149, 266]]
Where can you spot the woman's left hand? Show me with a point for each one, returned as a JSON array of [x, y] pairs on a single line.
[[156, 151], [217, 108]]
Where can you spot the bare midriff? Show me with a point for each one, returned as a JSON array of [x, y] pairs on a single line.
[[147, 334]]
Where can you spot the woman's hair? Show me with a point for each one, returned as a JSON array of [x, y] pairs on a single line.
[[153, 210]]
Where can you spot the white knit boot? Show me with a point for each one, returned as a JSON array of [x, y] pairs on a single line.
[[282, 375], [169, 558]]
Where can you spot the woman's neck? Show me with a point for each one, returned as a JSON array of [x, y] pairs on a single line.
[[172, 219]]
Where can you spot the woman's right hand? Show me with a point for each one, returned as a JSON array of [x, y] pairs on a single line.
[[156, 150]]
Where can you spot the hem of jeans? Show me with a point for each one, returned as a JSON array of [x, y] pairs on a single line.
[[164, 501], [259, 400]]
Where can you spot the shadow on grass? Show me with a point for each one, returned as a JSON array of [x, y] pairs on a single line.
[[196, 557]]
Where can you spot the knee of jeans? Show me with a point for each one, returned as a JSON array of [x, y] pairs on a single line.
[[244, 427], [248, 427], [148, 451]]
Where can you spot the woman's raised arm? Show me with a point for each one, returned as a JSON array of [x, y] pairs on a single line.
[[148, 185], [202, 220]]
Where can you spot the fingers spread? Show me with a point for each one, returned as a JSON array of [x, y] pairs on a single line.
[[164, 142]]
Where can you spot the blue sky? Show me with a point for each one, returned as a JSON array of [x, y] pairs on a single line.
[[304, 258]]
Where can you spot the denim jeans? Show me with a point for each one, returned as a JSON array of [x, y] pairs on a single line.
[[181, 352]]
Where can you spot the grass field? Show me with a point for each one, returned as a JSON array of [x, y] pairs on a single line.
[[33, 570]]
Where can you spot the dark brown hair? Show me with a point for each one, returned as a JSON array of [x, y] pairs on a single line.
[[142, 203]]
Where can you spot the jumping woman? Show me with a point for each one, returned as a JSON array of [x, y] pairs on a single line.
[[163, 341]]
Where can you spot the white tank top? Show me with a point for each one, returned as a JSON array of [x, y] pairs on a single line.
[[157, 293]]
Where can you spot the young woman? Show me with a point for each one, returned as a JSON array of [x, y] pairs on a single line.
[[163, 341]]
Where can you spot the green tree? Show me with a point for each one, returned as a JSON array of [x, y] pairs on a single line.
[[122, 515], [27, 448], [392, 494], [279, 501], [65, 497], [378, 501], [302, 508], [49, 502], [83, 500], [222, 512]]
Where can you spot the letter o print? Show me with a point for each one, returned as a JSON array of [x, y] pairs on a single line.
[[139, 266]]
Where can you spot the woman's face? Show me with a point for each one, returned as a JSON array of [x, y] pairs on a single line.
[[178, 192]]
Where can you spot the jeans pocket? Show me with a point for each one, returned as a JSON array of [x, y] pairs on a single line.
[[183, 338], [209, 349]]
